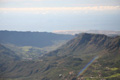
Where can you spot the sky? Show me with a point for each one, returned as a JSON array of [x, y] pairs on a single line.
[[52, 15]]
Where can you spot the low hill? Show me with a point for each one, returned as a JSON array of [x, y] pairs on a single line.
[[36, 39]]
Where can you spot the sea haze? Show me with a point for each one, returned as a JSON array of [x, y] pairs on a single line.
[[60, 21]]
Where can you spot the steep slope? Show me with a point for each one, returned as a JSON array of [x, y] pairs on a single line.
[[81, 50], [89, 43], [36, 39], [106, 67], [7, 54], [68, 60], [7, 57]]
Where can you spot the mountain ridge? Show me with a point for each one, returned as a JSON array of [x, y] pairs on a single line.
[[70, 58], [36, 39], [94, 40]]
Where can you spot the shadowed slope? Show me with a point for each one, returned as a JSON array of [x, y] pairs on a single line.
[[36, 39]]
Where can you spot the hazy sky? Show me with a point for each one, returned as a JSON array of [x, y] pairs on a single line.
[[51, 15]]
